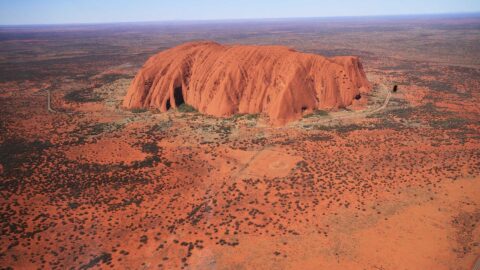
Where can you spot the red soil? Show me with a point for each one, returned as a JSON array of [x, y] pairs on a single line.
[[106, 151]]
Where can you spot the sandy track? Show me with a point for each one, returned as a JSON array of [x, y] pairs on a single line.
[[360, 114]]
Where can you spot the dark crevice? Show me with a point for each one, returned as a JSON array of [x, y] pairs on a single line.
[[168, 104], [178, 96]]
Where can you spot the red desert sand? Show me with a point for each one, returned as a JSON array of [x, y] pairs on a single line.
[[224, 80]]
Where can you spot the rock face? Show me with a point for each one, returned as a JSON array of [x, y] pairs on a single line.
[[224, 80]]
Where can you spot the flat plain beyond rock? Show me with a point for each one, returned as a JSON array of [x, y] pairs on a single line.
[[224, 80]]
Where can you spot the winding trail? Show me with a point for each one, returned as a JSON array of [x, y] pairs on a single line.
[[358, 114], [49, 102], [385, 104]]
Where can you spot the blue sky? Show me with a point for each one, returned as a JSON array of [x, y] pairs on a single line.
[[102, 11]]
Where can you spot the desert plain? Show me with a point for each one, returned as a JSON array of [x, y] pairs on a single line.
[[390, 182]]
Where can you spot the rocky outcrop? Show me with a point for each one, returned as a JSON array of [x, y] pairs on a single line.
[[224, 80]]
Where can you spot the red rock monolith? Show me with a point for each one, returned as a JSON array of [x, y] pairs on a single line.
[[224, 80]]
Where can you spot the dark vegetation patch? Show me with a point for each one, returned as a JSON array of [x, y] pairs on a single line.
[[105, 258], [150, 148], [20, 159], [252, 116], [450, 123], [198, 212], [446, 79], [73, 205], [88, 94], [319, 137], [403, 66], [339, 128], [137, 200], [149, 162], [387, 123], [138, 110], [159, 127], [409, 112], [186, 108], [435, 85], [82, 96], [406, 112], [247, 116], [109, 78], [80, 66], [457, 128], [99, 128], [341, 52], [14, 152], [144, 239], [222, 129], [83, 178], [316, 113], [465, 224]]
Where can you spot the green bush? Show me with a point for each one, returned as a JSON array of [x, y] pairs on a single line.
[[139, 110], [82, 96], [185, 108], [450, 123], [252, 116], [316, 113]]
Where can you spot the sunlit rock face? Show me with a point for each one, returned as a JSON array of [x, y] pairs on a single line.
[[223, 80]]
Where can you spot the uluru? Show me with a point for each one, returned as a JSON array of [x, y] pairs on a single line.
[[222, 80]]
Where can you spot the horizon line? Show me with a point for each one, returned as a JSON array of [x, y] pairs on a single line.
[[474, 13]]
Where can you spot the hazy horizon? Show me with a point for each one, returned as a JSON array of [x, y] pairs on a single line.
[[239, 20], [54, 12]]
